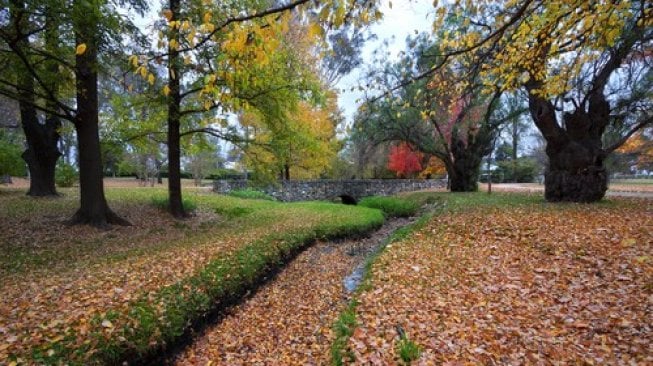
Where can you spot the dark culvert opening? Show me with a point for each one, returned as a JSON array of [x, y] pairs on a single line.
[[348, 200]]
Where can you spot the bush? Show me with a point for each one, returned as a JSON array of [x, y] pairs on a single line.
[[249, 193], [391, 206], [65, 175], [525, 170], [11, 162]]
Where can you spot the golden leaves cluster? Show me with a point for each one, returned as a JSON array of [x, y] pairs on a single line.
[[516, 41]]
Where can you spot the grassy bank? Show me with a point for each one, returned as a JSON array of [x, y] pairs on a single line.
[[121, 294]]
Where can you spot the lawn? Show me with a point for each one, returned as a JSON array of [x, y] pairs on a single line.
[[509, 279], [88, 296]]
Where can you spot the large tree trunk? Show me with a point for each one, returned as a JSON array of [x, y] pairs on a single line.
[[174, 118], [575, 150], [94, 209], [466, 157], [575, 172], [463, 173], [41, 154]]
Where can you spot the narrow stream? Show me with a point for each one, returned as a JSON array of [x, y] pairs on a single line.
[[288, 320], [369, 246]]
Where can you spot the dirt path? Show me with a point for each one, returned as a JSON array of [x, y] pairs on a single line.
[[287, 321], [615, 190]]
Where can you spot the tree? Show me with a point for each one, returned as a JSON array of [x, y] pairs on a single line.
[[585, 66], [202, 156], [404, 160], [78, 38], [226, 46], [457, 126], [434, 167], [42, 152], [303, 146]]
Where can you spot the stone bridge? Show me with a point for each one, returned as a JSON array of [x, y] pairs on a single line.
[[350, 191]]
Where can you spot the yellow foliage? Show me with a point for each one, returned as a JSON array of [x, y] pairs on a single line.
[[435, 167], [305, 141], [640, 145], [549, 41]]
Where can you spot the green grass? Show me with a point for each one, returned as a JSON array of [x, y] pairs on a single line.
[[462, 201], [249, 193], [163, 316], [163, 203], [344, 329], [392, 206], [408, 350], [95, 246]]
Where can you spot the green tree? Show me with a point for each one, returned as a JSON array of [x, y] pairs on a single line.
[[217, 55], [42, 152], [82, 32], [11, 163]]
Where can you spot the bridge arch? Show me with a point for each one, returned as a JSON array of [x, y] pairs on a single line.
[[348, 199]]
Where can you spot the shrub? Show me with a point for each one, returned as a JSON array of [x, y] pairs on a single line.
[[523, 170], [11, 162], [249, 193], [391, 206], [65, 175]]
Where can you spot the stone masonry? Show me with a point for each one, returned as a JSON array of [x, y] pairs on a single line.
[[325, 189]]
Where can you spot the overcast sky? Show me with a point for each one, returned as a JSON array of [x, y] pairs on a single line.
[[402, 20]]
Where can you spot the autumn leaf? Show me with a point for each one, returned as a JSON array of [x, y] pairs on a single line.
[[497, 282], [167, 13], [81, 48]]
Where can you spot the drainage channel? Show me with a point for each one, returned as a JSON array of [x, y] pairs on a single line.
[[288, 320]]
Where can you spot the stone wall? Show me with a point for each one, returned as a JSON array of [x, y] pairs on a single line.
[[307, 190]]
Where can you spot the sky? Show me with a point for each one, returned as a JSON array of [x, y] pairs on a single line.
[[405, 17]]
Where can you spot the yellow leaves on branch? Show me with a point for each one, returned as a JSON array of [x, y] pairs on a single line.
[[133, 60], [559, 34], [207, 17]]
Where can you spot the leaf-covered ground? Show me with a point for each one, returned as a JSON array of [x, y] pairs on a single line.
[[56, 280], [288, 321], [531, 284]]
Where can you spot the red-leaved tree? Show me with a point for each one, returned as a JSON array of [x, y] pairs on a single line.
[[404, 160]]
